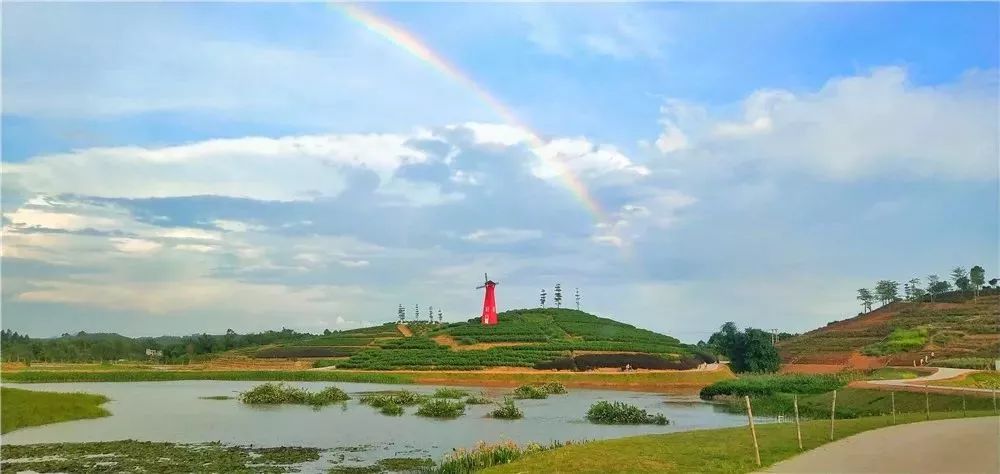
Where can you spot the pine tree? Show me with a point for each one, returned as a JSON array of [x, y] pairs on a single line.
[[401, 313], [577, 299], [416, 312], [440, 316], [430, 313], [541, 298], [557, 296]]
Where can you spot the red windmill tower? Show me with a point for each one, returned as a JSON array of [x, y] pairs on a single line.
[[490, 302]]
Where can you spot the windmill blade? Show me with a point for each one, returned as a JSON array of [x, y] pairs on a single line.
[[480, 287]]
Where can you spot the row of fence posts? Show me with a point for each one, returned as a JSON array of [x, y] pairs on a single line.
[[833, 415]]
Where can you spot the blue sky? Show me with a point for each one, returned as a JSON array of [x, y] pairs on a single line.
[[188, 168]]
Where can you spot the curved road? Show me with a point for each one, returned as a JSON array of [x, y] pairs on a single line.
[[961, 445], [942, 373]]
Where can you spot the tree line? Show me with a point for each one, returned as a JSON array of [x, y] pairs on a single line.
[[887, 291], [102, 347], [401, 314], [557, 296]]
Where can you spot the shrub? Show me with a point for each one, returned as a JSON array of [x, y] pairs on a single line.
[[562, 363], [760, 385], [449, 393], [279, 393], [553, 388], [480, 399], [507, 410], [619, 413], [977, 363], [637, 361], [441, 408], [528, 391], [291, 351], [900, 340]]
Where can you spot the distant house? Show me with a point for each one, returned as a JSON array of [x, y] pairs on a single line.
[[154, 353]]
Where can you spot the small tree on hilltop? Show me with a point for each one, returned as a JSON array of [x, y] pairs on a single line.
[[440, 316], [577, 299], [401, 313], [416, 313], [977, 276], [958, 273], [936, 286], [915, 291], [430, 313], [887, 291], [557, 296], [866, 298], [541, 298]]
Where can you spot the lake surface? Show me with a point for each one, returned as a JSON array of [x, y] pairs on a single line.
[[172, 411]]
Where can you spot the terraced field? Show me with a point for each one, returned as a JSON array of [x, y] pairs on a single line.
[[901, 332], [522, 338]]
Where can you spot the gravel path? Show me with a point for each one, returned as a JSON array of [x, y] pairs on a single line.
[[962, 445]]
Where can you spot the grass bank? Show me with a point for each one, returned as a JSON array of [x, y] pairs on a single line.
[[855, 403], [976, 380], [30, 376], [23, 408], [728, 450], [666, 381], [143, 456]]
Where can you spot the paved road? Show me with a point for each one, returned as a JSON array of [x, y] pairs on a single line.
[[962, 445]]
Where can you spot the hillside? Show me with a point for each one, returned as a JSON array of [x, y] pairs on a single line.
[[541, 338], [899, 333]]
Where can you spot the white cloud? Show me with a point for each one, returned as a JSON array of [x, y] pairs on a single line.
[[236, 226], [616, 31], [582, 157], [853, 127], [354, 263], [138, 246], [658, 211], [502, 235]]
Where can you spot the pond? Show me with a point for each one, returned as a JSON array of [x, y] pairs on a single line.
[[173, 411]]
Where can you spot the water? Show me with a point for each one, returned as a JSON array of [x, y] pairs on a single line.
[[172, 411]]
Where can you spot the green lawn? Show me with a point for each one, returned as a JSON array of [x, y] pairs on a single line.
[[976, 380], [856, 402], [22, 408], [728, 450]]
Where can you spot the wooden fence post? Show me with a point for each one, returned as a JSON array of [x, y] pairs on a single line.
[[753, 431], [927, 403], [798, 429], [833, 413], [964, 413], [994, 401], [893, 398]]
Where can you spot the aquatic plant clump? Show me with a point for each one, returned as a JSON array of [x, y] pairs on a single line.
[[441, 408], [402, 398], [449, 393], [484, 455], [619, 413], [553, 388], [279, 393], [507, 410], [529, 392], [391, 409], [480, 399]]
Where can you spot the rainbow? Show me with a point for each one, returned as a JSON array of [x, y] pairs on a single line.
[[412, 45]]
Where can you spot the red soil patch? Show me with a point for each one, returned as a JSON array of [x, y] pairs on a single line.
[[860, 361], [404, 330], [810, 369]]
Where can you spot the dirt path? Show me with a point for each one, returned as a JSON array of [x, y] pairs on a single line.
[[404, 330], [963, 445], [942, 373]]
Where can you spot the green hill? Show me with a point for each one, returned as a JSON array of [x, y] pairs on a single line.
[[542, 337], [956, 326]]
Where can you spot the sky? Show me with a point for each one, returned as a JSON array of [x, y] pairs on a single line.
[[188, 168]]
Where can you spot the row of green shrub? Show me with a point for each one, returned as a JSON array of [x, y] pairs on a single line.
[[438, 359], [976, 363], [636, 361], [759, 385], [289, 352], [899, 340], [46, 376]]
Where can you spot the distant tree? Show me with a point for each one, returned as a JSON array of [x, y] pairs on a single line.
[[401, 313], [963, 284], [577, 299], [557, 296], [936, 286], [327, 332], [430, 313], [440, 316], [887, 291], [748, 351], [907, 294], [994, 281], [416, 313], [541, 298], [866, 298], [978, 278], [915, 291], [957, 274]]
